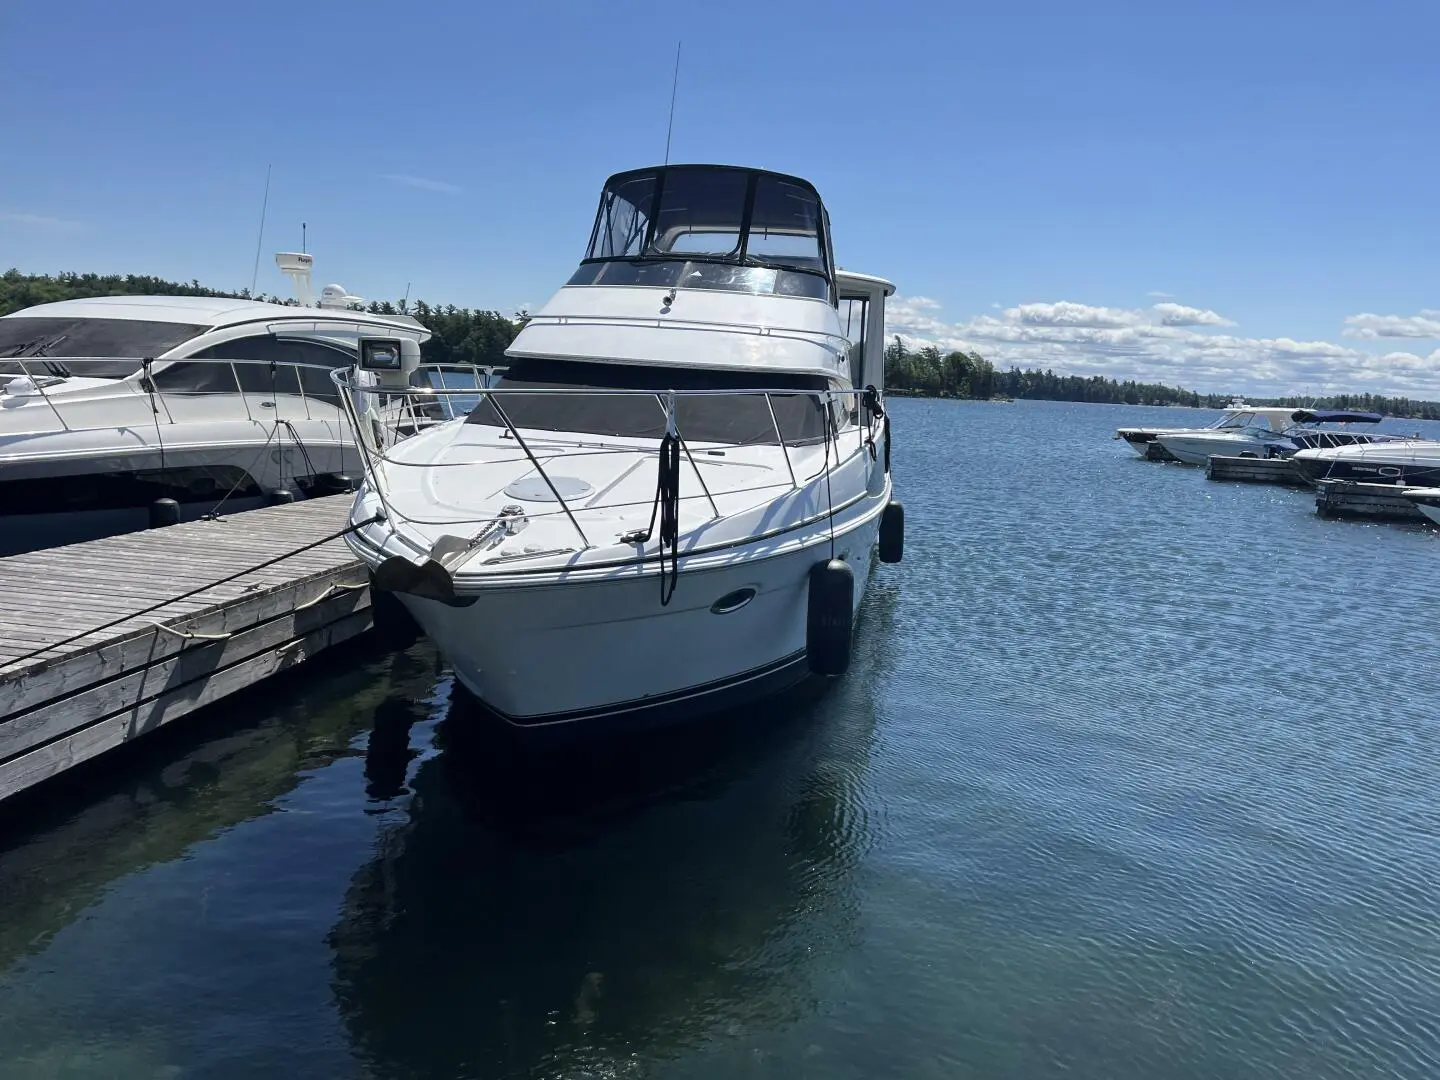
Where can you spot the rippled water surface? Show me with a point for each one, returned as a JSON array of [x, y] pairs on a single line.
[[1133, 776]]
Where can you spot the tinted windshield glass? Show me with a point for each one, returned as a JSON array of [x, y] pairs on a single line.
[[28, 336], [763, 280], [624, 219], [785, 224], [713, 214], [701, 213], [739, 419]]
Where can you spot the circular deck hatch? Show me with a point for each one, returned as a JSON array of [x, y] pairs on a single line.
[[534, 488]]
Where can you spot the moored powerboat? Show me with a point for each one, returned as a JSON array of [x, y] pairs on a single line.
[[671, 500], [1272, 432], [110, 405], [1143, 439], [1406, 461]]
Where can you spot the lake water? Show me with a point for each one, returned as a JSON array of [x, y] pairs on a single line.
[[1133, 776]]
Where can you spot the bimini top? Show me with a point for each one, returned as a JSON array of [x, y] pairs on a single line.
[[1335, 416], [711, 227]]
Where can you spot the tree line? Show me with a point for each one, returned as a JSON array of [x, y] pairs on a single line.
[[927, 372], [478, 336]]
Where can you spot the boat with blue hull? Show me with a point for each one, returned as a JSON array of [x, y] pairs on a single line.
[[1411, 462]]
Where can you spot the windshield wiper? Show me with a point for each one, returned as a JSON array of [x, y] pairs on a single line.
[[766, 264], [16, 350]]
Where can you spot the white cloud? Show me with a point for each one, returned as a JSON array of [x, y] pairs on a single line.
[[1424, 325], [1160, 294], [1169, 343], [1066, 313], [39, 222], [421, 182], [1180, 315]]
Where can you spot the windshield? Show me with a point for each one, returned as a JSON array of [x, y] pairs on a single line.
[[738, 419], [35, 338], [705, 213]]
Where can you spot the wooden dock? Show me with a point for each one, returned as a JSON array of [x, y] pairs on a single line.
[[70, 691], [1349, 499], [1253, 470]]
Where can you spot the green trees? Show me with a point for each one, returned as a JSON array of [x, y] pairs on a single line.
[[958, 374], [929, 373]]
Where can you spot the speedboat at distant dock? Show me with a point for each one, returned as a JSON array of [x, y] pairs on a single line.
[[1272, 432], [1142, 439]]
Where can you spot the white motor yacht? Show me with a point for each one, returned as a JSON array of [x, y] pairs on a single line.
[[1143, 439], [1412, 462], [1272, 432], [112, 404], [672, 499]]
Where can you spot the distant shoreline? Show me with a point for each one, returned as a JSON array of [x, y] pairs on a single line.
[[1433, 414]]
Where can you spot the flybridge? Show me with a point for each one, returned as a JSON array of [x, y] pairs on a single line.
[[711, 227]]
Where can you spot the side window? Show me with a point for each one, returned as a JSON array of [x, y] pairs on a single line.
[[316, 380], [183, 377], [287, 378]]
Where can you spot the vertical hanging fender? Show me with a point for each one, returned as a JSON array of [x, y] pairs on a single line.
[[830, 617], [892, 532]]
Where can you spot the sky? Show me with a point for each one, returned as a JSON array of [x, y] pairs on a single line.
[[1234, 197]]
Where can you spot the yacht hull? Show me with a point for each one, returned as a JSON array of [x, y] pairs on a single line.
[[1374, 470], [556, 659], [1197, 450]]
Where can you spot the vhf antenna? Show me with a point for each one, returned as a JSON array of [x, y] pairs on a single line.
[[674, 86], [264, 204]]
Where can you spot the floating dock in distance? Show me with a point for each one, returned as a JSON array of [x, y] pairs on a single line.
[[1253, 470], [70, 692], [1349, 499]]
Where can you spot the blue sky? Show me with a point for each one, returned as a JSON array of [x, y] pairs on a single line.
[[1035, 177]]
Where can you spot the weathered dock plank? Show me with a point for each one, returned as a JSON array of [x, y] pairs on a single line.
[[1349, 499], [1253, 470], [104, 641]]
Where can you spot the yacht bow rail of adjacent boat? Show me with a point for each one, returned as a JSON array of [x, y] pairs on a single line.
[[36, 381], [377, 436]]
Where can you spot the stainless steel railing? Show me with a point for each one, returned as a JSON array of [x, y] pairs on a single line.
[[46, 384], [411, 410]]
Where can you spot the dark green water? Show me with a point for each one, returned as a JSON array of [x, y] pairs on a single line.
[[1133, 776]]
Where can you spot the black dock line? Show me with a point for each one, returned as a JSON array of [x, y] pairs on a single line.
[[186, 595]]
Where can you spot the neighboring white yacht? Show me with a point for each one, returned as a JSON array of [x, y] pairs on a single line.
[[1270, 432], [1412, 462], [671, 500], [110, 404], [1142, 439]]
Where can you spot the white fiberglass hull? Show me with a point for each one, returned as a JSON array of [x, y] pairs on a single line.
[[1198, 449], [603, 651]]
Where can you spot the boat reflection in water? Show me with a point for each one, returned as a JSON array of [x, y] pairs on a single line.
[[556, 916]]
